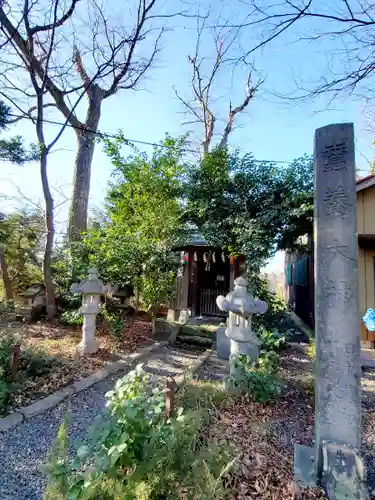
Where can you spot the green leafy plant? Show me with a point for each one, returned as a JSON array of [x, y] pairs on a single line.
[[135, 454], [268, 361], [7, 306], [132, 245], [271, 340], [259, 379], [115, 323], [74, 317], [249, 207], [275, 317]]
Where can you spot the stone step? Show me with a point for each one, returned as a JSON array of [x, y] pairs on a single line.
[[195, 340], [200, 331]]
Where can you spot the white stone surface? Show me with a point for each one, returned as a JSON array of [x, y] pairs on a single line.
[[91, 289], [241, 305]]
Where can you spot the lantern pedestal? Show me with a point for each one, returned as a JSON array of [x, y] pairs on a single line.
[[91, 289], [88, 344]]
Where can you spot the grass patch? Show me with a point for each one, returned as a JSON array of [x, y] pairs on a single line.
[[198, 394]]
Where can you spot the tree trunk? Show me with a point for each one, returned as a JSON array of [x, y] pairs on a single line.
[[153, 319], [47, 274], [8, 287], [82, 170], [136, 291]]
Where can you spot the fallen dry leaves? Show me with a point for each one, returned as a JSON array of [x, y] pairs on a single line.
[[264, 436], [61, 342]]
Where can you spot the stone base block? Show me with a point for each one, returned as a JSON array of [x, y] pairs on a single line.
[[250, 349], [222, 343], [304, 467], [173, 314], [87, 348], [343, 473], [184, 316]]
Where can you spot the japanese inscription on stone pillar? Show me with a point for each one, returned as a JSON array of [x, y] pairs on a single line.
[[337, 322]]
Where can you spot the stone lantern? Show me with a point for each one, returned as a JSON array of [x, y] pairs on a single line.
[[241, 305], [91, 288]]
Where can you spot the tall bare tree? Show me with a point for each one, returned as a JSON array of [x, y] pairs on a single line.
[[202, 107], [25, 41], [94, 56], [348, 27]]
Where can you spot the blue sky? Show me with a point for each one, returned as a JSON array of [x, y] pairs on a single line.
[[271, 129]]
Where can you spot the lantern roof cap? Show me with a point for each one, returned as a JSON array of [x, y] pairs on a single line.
[[92, 285]]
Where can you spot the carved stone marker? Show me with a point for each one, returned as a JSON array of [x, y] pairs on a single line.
[[337, 321], [91, 289], [241, 305]]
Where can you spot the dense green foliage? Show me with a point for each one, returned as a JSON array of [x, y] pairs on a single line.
[[22, 235], [32, 364], [249, 207], [143, 221], [136, 454], [271, 340], [240, 204], [258, 379], [13, 149], [275, 314]]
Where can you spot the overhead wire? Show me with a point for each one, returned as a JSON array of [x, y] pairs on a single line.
[[114, 136], [135, 141]]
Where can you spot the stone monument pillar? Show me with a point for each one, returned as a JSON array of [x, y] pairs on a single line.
[[241, 305], [337, 321], [91, 289]]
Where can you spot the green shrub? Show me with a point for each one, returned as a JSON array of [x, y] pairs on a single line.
[[36, 363], [275, 315], [115, 323], [135, 454], [7, 306], [259, 378], [70, 317], [271, 340]]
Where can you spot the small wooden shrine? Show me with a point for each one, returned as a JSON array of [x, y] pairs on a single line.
[[205, 273]]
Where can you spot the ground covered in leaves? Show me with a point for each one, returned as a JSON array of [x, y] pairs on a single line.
[[59, 342], [264, 436]]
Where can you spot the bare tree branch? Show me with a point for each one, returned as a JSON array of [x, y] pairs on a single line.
[[57, 23], [250, 93], [30, 111], [204, 83], [349, 23], [103, 57]]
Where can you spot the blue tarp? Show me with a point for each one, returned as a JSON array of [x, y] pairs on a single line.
[[369, 320], [301, 272]]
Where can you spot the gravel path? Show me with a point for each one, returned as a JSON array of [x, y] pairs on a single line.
[[23, 449]]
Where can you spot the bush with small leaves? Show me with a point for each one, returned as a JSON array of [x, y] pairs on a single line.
[[259, 378], [135, 454], [72, 317], [115, 323], [7, 306], [271, 340]]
